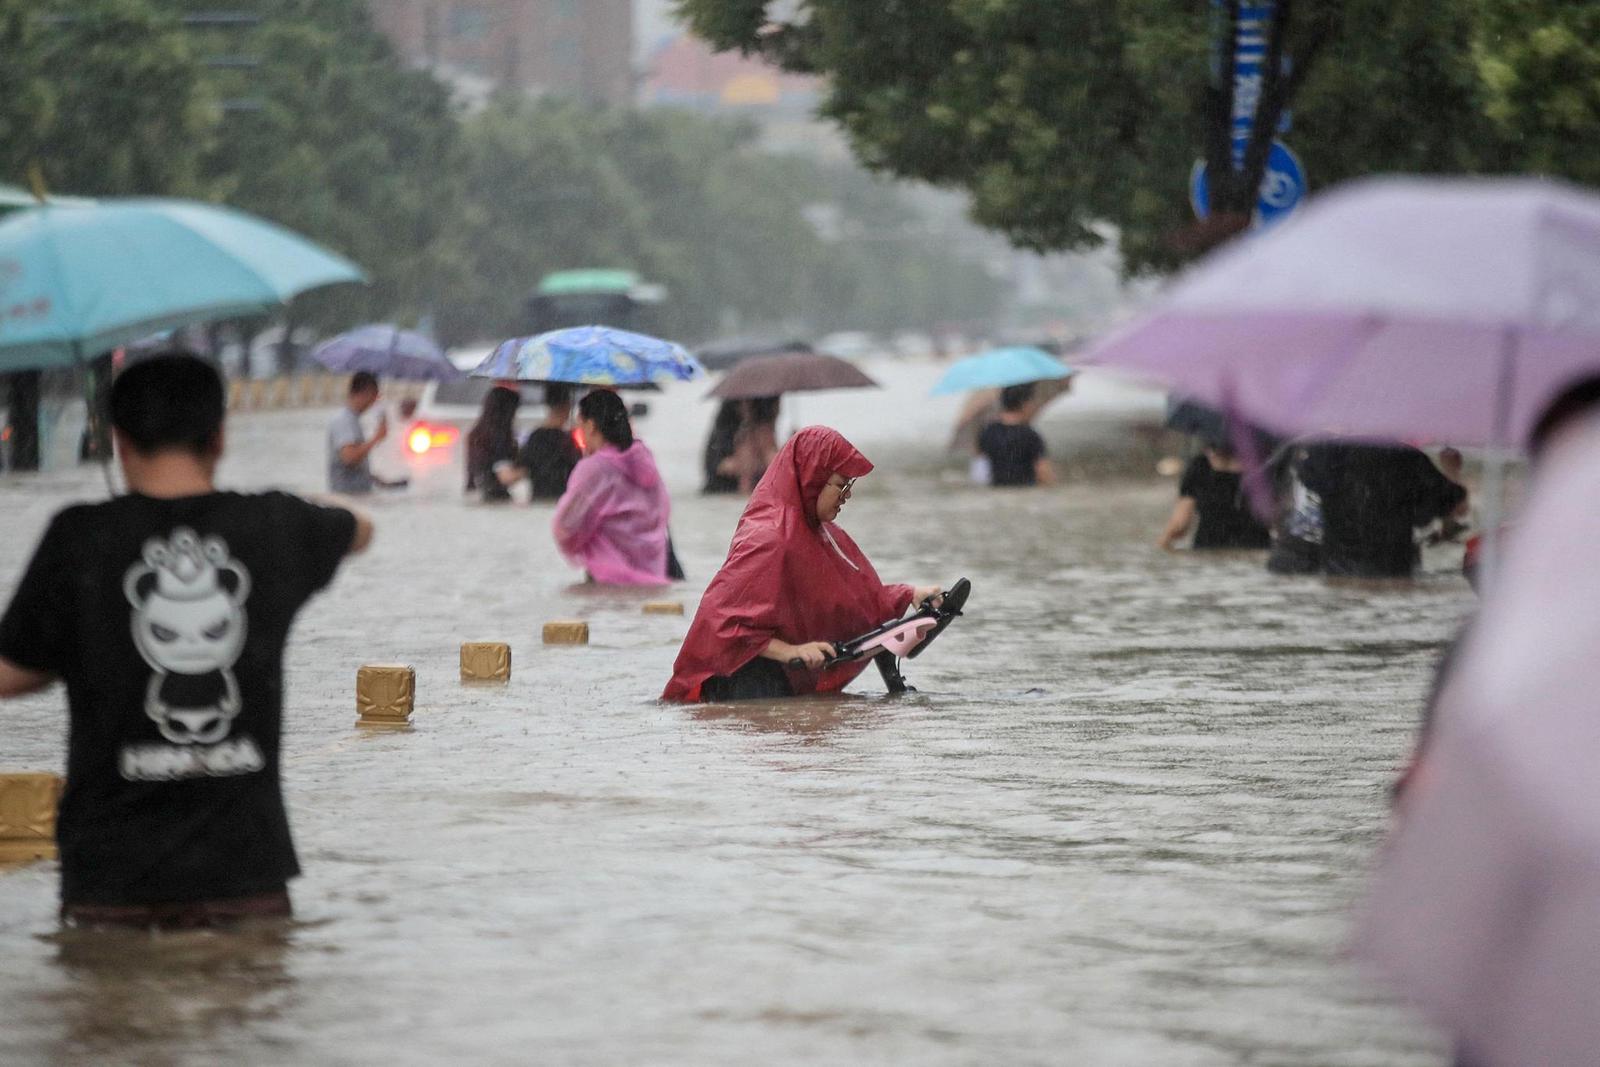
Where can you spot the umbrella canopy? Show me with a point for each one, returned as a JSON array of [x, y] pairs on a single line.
[[1438, 309], [1000, 367], [76, 281], [389, 351], [590, 355], [720, 355], [1484, 908], [13, 198], [798, 372]]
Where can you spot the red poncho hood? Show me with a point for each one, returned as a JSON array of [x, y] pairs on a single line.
[[788, 576]]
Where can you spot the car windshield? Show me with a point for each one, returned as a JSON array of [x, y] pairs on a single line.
[[471, 391]]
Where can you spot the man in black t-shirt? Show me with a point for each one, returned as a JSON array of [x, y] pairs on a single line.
[[1014, 449], [165, 612], [1373, 499]]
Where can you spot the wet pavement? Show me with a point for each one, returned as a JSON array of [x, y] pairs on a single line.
[[1123, 821]]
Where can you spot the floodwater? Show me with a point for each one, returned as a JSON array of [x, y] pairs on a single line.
[[1123, 821]]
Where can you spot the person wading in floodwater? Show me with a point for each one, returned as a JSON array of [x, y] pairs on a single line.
[[792, 584], [612, 520], [165, 612]]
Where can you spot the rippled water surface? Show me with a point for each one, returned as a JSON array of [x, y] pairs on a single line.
[[1122, 822]]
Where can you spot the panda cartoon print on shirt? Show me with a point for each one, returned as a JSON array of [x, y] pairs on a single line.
[[189, 625]]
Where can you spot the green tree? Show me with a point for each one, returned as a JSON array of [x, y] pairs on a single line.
[[1059, 118], [104, 97], [337, 140]]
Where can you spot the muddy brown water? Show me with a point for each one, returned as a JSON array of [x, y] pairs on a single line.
[[1122, 822]]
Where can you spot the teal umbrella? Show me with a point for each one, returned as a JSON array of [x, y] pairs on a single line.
[[76, 281], [1000, 367]]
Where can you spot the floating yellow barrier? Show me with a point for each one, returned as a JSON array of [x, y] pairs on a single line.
[[663, 607]]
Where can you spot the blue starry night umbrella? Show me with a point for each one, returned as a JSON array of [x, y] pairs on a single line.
[[590, 355]]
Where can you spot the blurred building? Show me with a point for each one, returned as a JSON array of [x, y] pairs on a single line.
[[680, 70], [576, 48]]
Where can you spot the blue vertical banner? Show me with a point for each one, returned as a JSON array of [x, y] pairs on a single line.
[[1249, 56], [1283, 185]]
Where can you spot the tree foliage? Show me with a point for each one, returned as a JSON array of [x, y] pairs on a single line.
[[304, 115], [1060, 118]]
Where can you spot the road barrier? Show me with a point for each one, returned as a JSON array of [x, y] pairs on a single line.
[[385, 694], [566, 632], [485, 661], [28, 816], [277, 394]]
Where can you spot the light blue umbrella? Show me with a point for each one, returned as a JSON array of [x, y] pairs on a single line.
[[388, 351], [76, 281], [590, 355], [1000, 367]]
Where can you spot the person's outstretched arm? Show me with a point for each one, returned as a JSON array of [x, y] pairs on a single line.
[[18, 681], [1178, 523]]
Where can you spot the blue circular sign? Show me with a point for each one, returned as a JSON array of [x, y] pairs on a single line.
[[1283, 186]]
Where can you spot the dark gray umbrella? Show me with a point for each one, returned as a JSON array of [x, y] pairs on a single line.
[[720, 355], [800, 372]]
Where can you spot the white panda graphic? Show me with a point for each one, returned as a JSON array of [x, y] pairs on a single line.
[[189, 625]]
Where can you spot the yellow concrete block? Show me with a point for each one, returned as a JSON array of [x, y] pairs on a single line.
[[235, 393], [28, 816], [485, 661], [306, 391], [258, 393], [566, 632], [280, 392], [385, 694], [663, 607]]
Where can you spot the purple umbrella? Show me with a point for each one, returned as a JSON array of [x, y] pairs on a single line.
[[1437, 309], [389, 352], [1486, 910]]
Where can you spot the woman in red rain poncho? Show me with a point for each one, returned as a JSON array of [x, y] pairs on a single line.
[[793, 582]]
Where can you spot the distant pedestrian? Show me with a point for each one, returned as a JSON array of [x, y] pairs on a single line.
[[492, 445], [1014, 449], [755, 443], [612, 520], [1373, 499], [349, 471], [549, 454], [166, 612], [1212, 503], [720, 445]]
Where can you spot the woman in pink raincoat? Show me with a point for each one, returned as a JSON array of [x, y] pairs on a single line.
[[612, 520]]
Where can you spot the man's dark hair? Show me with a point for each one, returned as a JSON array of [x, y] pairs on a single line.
[[557, 394], [170, 400], [1016, 397], [1576, 399], [363, 381]]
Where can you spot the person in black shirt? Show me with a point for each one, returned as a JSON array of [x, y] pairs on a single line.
[[1373, 499], [165, 612], [1014, 449], [550, 453], [1211, 501]]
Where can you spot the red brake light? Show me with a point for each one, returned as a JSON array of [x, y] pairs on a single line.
[[424, 437]]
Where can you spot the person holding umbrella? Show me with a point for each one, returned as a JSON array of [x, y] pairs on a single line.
[[793, 583], [612, 520]]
